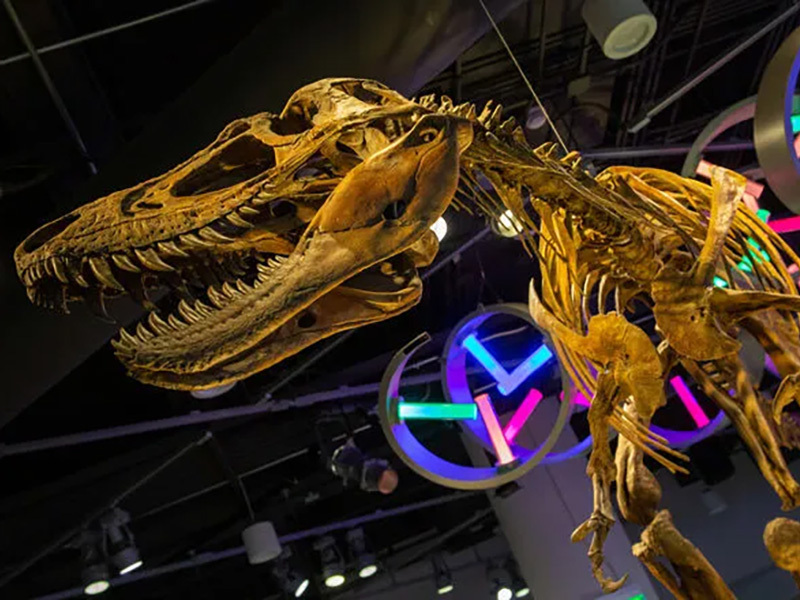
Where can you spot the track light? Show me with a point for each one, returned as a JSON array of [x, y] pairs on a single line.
[[370, 474], [507, 225], [501, 582], [288, 577], [518, 585], [442, 576], [365, 560], [94, 574], [119, 541], [439, 228], [332, 561]]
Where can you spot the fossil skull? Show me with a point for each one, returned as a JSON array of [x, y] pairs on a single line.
[[286, 229]]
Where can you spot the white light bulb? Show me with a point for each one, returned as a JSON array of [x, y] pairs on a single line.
[[131, 567], [508, 225], [301, 589], [96, 587], [334, 580], [439, 227], [446, 589], [368, 571], [504, 594], [522, 592]]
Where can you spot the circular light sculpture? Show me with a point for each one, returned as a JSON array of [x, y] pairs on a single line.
[[774, 133], [513, 460], [621, 27]]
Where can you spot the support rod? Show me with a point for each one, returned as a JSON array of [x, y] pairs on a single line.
[[51, 87], [643, 119], [102, 32], [209, 557], [650, 151]]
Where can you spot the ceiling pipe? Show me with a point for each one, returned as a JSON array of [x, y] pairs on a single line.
[[644, 119]]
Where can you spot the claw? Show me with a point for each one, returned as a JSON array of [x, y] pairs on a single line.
[[598, 524]]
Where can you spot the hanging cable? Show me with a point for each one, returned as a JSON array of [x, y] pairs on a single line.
[[524, 78]]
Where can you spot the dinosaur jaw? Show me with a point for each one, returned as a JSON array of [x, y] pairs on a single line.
[[376, 294]]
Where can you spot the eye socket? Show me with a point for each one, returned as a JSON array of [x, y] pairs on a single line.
[[428, 135], [394, 211]]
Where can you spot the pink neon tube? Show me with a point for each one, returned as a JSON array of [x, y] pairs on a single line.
[[501, 449], [524, 411], [689, 401]]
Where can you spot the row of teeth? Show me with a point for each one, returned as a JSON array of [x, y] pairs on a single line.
[[198, 310], [152, 258]]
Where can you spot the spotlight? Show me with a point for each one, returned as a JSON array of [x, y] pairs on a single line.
[[501, 583], [365, 560], [332, 561], [119, 541], [442, 576], [94, 574], [439, 227], [518, 584], [370, 474], [289, 579], [507, 225]]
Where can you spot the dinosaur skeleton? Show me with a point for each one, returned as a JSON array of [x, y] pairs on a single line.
[[289, 228]]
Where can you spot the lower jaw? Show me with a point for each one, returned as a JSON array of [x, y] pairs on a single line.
[[351, 307]]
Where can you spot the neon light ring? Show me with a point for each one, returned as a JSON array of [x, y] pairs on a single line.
[[513, 460], [463, 342]]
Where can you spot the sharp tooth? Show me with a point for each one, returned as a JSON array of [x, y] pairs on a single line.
[[192, 240], [171, 249], [263, 269], [175, 322], [27, 277], [216, 298], [202, 308], [75, 273], [238, 221], [228, 290], [187, 312], [127, 338], [144, 333], [150, 259], [124, 262], [158, 324], [37, 271], [102, 271], [59, 270], [212, 235], [243, 287], [248, 210], [48, 267], [31, 294], [93, 298]]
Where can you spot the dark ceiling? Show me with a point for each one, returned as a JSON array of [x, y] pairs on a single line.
[[123, 88]]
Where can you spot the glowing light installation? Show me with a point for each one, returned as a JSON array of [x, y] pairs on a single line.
[[522, 413], [436, 411], [689, 401], [506, 382], [501, 449]]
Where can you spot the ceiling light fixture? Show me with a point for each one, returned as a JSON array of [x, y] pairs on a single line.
[[442, 575], [119, 541], [332, 561], [370, 474], [365, 560], [507, 225], [94, 574], [287, 576], [500, 579]]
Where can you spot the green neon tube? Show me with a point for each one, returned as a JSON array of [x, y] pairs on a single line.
[[436, 411]]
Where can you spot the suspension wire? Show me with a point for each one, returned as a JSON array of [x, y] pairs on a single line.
[[524, 78]]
